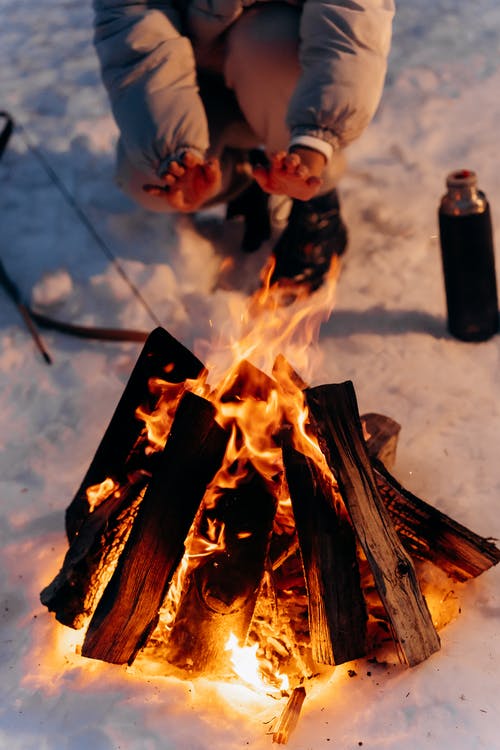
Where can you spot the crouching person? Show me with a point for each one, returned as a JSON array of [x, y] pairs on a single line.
[[233, 100]]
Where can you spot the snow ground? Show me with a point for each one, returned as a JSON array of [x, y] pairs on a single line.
[[387, 333]]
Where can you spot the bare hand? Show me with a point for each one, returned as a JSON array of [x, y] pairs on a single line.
[[189, 182], [295, 174]]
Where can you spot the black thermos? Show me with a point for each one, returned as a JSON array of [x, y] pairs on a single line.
[[468, 259]]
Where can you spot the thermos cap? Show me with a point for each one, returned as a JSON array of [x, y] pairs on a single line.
[[461, 178]]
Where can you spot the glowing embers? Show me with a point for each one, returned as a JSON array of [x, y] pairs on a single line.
[[245, 663], [100, 492]]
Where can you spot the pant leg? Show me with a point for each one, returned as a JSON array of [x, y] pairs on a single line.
[[262, 68]]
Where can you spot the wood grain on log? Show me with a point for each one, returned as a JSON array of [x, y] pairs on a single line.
[[97, 545], [128, 609], [161, 357], [290, 716], [429, 534], [337, 611], [220, 594], [335, 419]]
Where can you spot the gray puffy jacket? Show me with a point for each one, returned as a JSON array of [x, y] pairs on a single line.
[[147, 62]]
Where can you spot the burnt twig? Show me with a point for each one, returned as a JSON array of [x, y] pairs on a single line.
[[24, 310]]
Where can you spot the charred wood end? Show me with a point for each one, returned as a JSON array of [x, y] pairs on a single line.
[[102, 535], [382, 435]]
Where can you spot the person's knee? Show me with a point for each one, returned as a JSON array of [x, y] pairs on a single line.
[[262, 68], [265, 38], [265, 28]]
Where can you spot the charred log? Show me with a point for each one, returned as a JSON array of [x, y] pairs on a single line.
[[221, 592], [92, 552], [335, 420], [128, 610], [381, 437], [429, 534], [337, 611], [161, 357]]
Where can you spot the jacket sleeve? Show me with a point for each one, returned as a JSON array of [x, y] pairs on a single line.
[[343, 54], [148, 69]]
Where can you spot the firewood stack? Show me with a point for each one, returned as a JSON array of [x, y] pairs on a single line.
[[354, 529]]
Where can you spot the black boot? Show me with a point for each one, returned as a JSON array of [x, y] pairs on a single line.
[[314, 234], [252, 205]]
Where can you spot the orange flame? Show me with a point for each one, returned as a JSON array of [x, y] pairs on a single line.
[[100, 492], [245, 664], [158, 421], [255, 392]]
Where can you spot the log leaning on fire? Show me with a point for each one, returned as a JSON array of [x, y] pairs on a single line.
[[162, 356], [337, 611], [128, 610], [426, 532], [219, 597], [335, 421], [71, 595], [97, 536], [429, 534]]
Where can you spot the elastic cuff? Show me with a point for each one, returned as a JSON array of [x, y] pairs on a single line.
[[310, 141]]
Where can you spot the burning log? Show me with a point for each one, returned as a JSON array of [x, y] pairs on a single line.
[[220, 594], [335, 421], [429, 534], [96, 547], [119, 473], [161, 357], [128, 609], [337, 611]]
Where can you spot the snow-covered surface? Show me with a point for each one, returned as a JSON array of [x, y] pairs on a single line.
[[440, 111]]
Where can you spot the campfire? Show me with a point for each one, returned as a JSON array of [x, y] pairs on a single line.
[[251, 530]]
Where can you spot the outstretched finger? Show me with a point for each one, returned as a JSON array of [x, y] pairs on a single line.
[[169, 180], [278, 160], [190, 160], [176, 199], [292, 163], [155, 189], [211, 170], [175, 169], [302, 172]]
